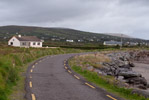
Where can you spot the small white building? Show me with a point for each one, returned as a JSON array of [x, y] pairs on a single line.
[[69, 41], [25, 41], [112, 43]]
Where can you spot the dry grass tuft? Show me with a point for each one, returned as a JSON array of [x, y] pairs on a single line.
[[94, 60]]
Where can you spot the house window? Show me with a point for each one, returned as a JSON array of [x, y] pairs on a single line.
[[38, 43], [34, 43], [13, 39], [24, 43]]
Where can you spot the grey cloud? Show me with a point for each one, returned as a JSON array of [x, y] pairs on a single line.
[[121, 16]]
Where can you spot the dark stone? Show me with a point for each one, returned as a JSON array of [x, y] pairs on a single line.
[[141, 86], [147, 85], [110, 73], [124, 69], [131, 64], [129, 74], [125, 66], [137, 81]]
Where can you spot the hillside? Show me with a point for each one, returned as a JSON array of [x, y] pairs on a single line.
[[59, 34], [119, 35]]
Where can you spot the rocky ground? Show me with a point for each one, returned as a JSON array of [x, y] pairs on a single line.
[[121, 67], [131, 68]]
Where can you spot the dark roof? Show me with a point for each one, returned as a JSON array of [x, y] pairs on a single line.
[[28, 38]]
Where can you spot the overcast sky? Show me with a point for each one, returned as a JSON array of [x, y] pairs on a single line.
[[130, 17]]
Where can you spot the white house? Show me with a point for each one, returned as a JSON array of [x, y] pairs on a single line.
[[112, 43], [69, 41], [25, 41]]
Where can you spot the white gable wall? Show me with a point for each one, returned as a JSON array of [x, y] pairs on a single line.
[[14, 42]]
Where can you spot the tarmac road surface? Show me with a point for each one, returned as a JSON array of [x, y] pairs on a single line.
[[49, 79]]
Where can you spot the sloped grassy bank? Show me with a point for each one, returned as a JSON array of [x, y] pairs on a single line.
[[13, 61], [79, 64]]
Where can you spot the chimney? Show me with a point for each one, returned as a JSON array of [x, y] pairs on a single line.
[[19, 36]]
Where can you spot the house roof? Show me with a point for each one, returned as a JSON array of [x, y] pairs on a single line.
[[28, 38]]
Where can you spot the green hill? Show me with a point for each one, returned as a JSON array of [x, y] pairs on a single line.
[[60, 34]]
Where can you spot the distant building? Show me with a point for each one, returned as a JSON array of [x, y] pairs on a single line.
[[112, 43], [69, 41], [91, 40], [133, 43], [25, 41], [80, 40]]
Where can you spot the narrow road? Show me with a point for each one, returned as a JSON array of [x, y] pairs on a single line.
[[48, 79]]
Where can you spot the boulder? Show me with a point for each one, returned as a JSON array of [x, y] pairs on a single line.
[[141, 86], [120, 63], [131, 64], [129, 74], [125, 66], [110, 73], [140, 82], [121, 78], [119, 70]]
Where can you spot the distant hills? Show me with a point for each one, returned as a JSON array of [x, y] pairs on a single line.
[[120, 35], [61, 34]]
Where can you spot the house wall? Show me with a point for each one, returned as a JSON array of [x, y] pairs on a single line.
[[111, 44], [15, 42], [35, 44], [24, 43], [69, 41]]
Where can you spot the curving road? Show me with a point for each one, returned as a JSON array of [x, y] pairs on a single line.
[[48, 79]]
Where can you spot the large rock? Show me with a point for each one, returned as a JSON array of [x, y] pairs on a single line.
[[110, 73], [121, 78], [125, 66], [121, 67], [131, 64], [119, 70], [129, 74], [141, 86], [139, 82]]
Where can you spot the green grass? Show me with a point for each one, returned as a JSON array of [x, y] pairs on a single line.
[[12, 67], [14, 62], [101, 82]]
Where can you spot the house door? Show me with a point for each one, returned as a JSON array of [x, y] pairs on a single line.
[[11, 43]]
